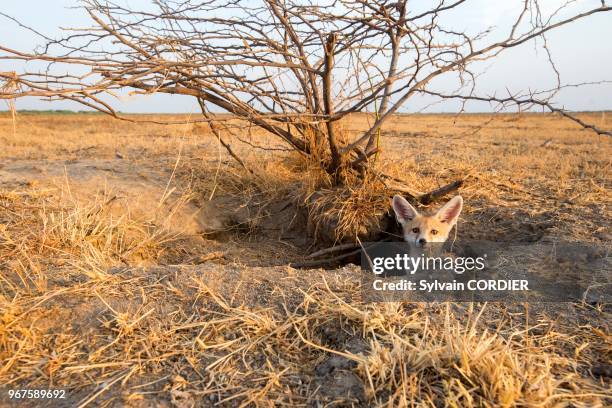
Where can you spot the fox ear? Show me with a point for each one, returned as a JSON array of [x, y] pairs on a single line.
[[403, 210], [449, 213]]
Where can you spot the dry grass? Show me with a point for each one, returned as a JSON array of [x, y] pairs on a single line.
[[89, 302], [42, 231], [341, 214]]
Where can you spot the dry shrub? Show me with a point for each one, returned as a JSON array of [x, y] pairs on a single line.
[[333, 213], [348, 213], [338, 213]]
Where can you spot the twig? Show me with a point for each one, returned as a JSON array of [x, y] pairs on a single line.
[[440, 192], [214, 129], [268, 149], [333, 249], [326, 261]]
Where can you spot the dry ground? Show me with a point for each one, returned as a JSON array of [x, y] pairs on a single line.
[[141, 266]]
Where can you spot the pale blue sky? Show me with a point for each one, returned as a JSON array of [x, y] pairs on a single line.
[[582, 52]]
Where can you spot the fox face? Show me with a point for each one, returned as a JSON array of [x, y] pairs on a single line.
[[422, 229]]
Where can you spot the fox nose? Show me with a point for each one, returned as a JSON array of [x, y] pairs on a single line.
[[422, 242]]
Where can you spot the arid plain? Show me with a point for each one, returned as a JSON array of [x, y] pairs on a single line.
[[142, 265]]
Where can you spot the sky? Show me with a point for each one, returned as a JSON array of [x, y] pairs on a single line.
[[582, 52]]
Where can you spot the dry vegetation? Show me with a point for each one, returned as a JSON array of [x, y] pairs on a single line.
[[140, 265]]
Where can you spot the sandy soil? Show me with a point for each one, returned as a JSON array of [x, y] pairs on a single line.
[[207, 311]]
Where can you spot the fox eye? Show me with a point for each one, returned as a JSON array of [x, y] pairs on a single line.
[[415, 230], [434, 232]]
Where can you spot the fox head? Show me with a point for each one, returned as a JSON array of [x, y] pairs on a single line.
[[421, 229]]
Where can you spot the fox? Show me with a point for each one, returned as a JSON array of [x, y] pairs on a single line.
[[420, 230]]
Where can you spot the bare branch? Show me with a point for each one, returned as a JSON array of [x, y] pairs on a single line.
[[292, 68]]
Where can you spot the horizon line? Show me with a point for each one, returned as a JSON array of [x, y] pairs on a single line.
[[77, 112]]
